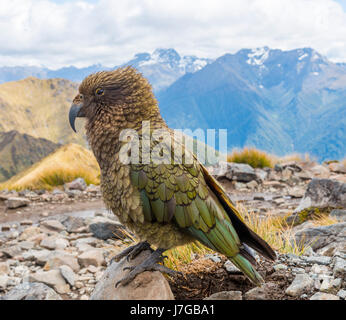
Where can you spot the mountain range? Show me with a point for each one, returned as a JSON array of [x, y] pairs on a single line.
[[162, 68], [278, 101]]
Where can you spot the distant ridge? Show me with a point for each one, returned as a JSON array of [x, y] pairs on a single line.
[[20, 151], [278, 101]]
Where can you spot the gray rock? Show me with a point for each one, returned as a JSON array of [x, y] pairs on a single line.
[[330, 285], [324, 296], [242, 172], [280, 266], [39, 256], [320, 237], [77, 184], [260, 293], [300, 285], [31, 291], [103, 228], [261, 174], [4, 268], [324, 193], [14, 202], [93, 257], [53, 225], [230, 267], [54, 243], [59, 258], [318, 260], [213, 257], [337, 168], [29, 233], [11, 251], [339, 269], [68, 274], [146, 286], [4, 280], [342, 294], [73, 224], [52, 278], [226, 295], [338, 214], [319, 269]]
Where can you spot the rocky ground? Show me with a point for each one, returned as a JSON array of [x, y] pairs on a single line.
[[58, 245]]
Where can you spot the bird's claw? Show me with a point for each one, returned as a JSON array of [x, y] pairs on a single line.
[[132, 252], [150, 264]]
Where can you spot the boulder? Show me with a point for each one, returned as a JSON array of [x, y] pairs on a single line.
[[242, 172], [73, 224], [260, 293], [103, 228], [338, 214], [301, 284], [146, 286], [4, 268], [320, 237], [323, 193], [4, 280], [52, 278], [11, 251], [59, 258], [68, 274], [324, 296], [54, 243], [31, 291], [53, 225], [77, 184], [94, 257], [337, 167], [29, 232], [226, 295], [16, 202]]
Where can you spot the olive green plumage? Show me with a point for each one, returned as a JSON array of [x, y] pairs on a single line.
[[165, 204]]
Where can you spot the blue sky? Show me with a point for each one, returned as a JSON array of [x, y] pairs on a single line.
[[57, 33], [342, 3]]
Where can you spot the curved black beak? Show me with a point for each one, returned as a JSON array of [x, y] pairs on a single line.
[[75, 112]]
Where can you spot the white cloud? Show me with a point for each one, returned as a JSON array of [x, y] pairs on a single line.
[[53, 34]]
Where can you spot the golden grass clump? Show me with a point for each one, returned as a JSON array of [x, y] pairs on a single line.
[[273, 229], [64, 165], [255, 158], [294, 157]]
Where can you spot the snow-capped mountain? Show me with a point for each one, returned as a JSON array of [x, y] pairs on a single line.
[[162, 68], [279, 101]]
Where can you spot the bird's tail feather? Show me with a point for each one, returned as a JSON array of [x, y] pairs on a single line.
[[245, 266]]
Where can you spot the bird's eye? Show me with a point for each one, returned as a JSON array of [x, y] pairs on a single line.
[[99, 92]]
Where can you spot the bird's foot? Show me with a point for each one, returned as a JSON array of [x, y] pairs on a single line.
[[132, 251], [149, 264]]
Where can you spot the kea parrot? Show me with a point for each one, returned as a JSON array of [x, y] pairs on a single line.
[[168, 203]]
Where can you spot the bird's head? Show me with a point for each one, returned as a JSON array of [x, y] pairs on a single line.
[[122, 94]]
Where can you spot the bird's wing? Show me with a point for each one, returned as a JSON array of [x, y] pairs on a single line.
[[190, 197]]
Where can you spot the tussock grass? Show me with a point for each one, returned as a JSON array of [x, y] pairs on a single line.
[[64, 165], [254, 157], [260, 159], [324, 220], [295, 157], [274, 230], [184, 254]]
